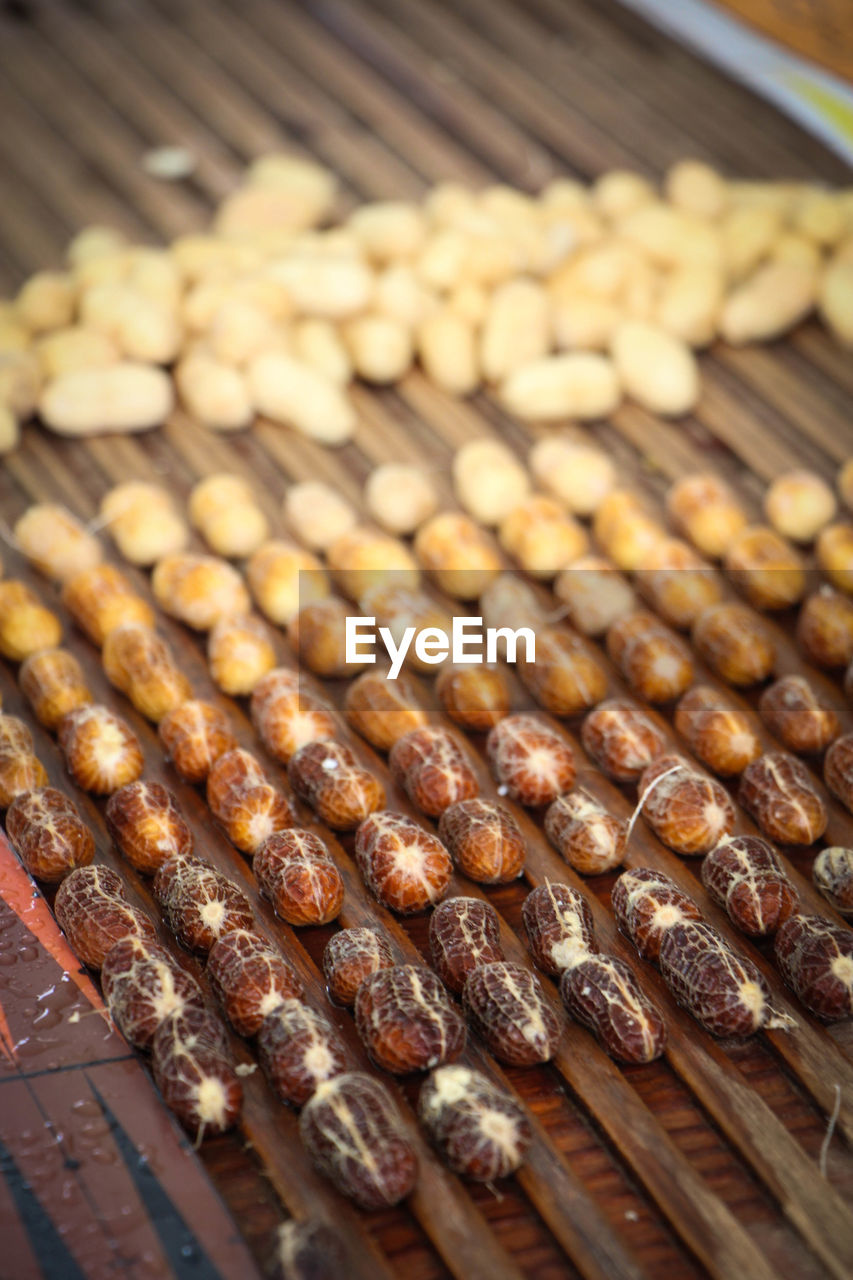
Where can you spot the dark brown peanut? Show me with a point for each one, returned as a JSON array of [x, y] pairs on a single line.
[[716, 731], [318, 634], [481, 1130], [838, 770], [825, 628], [328, 776], [646, 903], [678, 583], [250, 978], [145, 822], [832, 873], [463, 932], [199, 903], [297, 873], [815, 957], [102, 751], [405, 867], [353, 1133], [509, 1010], [94, 915], [654, 661], [531, 762], [195, 735], [621, 739], [744, 875], [48, 833], [299, 1049], [382, 710], [735, 644], [602, 993], [794, 715], [586, 836], [168, 873], [475, 697], [688, 811], [53, 683], [26, 626], [765, 568], [559, 926], [432, 767], [484, 841], [779, 793], [406, 1021], [102, 598], [196, 1026], [143, 985], [244, 801], [566, 679], [723, 991], [287, 718], [140, 664], [196, 1080], [309, 1250], [351, 956]]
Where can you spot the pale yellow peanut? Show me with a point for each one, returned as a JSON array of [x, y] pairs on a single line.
[[155, 274], [20, 380], [14, 336], [781, 197], [820, 216], [291, 392], [256, 211], [203, 299], [748, 234], [381, 349], [10, 431], [334, 285], [835, 299], [215, 492], [579, 474], [239, 330], [122, 397], [670, 236], [442, 262], [447, 349], [566, 193], [696, 188], [148, 330], [94, 242], [319, 344], [602, 270], [282, 578], [400, 497], [311, 186], [76, 347], [620, 192], [583, 321], [46, 301], [142, 521], [799, 504], [317, 514], [689, 302], [470, 301], [790, 246], [223, 508], [197, 255], [388, 230], [516, 328], [657, 370], [109, 268], [770, 302], [448, 203], [213, 393], [56, 542], [489, 480], [101, 307], [400, 293], [578, 385]]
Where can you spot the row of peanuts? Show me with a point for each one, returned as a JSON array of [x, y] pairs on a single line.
[[564, 301]]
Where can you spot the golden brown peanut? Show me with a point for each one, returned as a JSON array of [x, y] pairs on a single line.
[[316, 514], [595, 592], [766, 568], [845, 483], [515, 330], [566, 677], [835, 554], [198, 590], [286, 718], [447, 349], [689, 303], [141, 665], [282, 577], [696, 188], [293, 393], [102, 598], [318, 634], [121, 397], [580, 385], [799, 504], [834, 299], [825, 628], [363, 558], [55, 542], [46, 301], [382, 710], [476, 697], [223, 508], [26, 625], [250, 808], [656, 663], [776, 298], [735, 643], [509, 601], [239, 652], [194, 736], [678, 583], [655, 368], [489, 480], [53, 683], [142, 521], [590, 839], [707, 512], [797, 717], [625, 531], [457, 554], [400, 497], [716, 731], [101, 751], [214, 393], [579, 474], [381, 348], [541, 536]]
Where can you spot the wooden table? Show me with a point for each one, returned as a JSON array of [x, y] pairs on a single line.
[[706, 1161]]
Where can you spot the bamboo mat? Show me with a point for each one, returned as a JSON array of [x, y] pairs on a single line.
[[704, 1163]]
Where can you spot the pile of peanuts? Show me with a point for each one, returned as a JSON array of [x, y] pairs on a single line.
[[563, 303]]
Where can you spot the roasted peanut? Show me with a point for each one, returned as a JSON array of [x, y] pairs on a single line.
[[484, 841], [433, 769], [678, 584], [723, 991], [815, 957], [297, 873], [689, 812], [794, 715], [102, 598], [838, 770], [799, 504], [832, 873], [406, 1021], [654, 661], [299, 1049], [624, 529], [194, 736], [327, 776], [707, 512], [93, 913], [195, 1078], [778, 791], [565, 678], [143, 986], [143, 523], [825, 628], [590, 839], [767, 569], [481, 1131], [240, 653], [735, 643], [558, 923], [198, 590], [463, 932], [285, 718], [318, 633], [397, 608], [26, 626], [140, 664], [350, 956], [48, 833], [403, 865], [509, 1010], [476, 697], [621, 739], [595, 592], [646, 903], [282, 577], [382, 710], [223, 508], [250, 978], [603, 994], [245, 802], [716, 731], [457, 554], [744, 875], [101, 751], [531, 762], [145, 822], [199, 903], [362, 558]]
